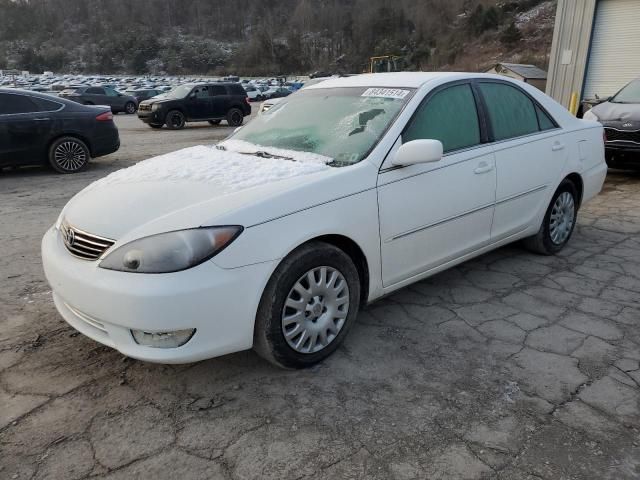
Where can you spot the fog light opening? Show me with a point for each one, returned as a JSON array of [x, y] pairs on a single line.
[[172, 339]]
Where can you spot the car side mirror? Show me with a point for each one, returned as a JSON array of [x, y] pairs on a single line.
[[418, 151]]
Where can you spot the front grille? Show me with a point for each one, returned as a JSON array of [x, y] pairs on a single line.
[[144, 108], [614, 135], [84, 245]]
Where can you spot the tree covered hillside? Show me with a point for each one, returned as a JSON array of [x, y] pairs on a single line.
[[252, 37]]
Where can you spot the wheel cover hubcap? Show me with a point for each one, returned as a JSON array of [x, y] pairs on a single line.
[[562, 217], [70, 155], [315, 310]]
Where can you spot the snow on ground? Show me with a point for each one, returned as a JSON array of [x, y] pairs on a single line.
[[542, 12], [229, 170]]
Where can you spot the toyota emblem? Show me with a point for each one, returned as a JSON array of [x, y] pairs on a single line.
[[70, 237]]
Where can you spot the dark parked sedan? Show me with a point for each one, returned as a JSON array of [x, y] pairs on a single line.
[[96, 95], [36, 128], [620, 116]]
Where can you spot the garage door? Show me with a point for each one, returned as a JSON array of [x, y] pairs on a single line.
[[614, 59]]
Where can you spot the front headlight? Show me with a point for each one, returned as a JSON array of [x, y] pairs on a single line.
[[589, 115], [156, 106], [172, 251]]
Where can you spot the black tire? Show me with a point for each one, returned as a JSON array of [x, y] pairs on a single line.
[[175, 120], [214, 122], [68, 155], [130, 108], [269, 339], [155, 125], [542, 242], [235, 117]]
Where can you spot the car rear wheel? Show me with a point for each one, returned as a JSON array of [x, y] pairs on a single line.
[[130, 108], [175, 120], [68, 155], [235, 117], [308, 306], [214, 122], [559, 221]]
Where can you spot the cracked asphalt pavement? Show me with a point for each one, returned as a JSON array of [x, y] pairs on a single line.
[[511, 366]]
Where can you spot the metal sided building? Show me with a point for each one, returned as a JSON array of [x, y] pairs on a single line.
[[595, 49]]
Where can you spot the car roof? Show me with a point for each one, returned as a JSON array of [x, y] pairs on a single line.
[[397, 79]]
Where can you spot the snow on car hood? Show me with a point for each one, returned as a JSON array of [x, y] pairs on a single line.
[[170, 184], [610, 111]]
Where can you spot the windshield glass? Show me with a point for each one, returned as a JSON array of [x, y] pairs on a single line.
[[179, 92], [341, 123], [629, 94]]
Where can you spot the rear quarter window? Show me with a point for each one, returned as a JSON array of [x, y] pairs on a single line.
[[236, 89]]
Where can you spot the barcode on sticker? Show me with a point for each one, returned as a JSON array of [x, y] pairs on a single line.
[[385, 93]]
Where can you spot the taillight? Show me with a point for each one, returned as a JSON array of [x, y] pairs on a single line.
[[246, 99], [105, 117]]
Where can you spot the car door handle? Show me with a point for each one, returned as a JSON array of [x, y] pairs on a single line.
[[483, 167], [557, 147]]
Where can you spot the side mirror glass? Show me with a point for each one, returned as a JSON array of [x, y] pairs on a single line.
[[418, 151]]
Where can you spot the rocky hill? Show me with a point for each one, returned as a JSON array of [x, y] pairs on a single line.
[[248, 37]]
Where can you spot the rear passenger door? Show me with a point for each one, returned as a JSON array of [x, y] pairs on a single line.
[[529, 153], [219, 101], [24, 128], [97, 96]]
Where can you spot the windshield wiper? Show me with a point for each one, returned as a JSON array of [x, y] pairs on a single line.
[[263, 154]]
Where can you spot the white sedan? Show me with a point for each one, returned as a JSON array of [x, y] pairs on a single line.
[[336, 196]]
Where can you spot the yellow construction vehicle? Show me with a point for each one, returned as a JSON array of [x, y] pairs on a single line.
[[386, 63]]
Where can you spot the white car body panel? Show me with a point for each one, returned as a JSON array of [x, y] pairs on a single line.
[[408, 222]]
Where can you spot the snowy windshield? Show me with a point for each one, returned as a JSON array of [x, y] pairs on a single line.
[[629, 94], [179, 92], [341, 123]]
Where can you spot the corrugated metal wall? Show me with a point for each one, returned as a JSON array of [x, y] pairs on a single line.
[[570, 48], [614, 59]]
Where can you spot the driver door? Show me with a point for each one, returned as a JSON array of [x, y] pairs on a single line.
[[198, 103], [433, 213]]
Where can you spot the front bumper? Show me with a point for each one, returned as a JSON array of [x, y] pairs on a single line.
[[156, 117], [622, 148], [105, 305]]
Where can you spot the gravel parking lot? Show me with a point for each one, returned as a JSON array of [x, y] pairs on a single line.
[[511, 366]]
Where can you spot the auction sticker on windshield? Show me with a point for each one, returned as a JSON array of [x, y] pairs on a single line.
[[385, 93]]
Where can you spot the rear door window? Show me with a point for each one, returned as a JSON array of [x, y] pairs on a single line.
[[13, 104], [511, 112], [218, 90], [450, 116], [95, 91]]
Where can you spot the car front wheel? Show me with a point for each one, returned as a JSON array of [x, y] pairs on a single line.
[[130, 108], [558, 223], [175, 120], [68, 155], [308, 306]]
